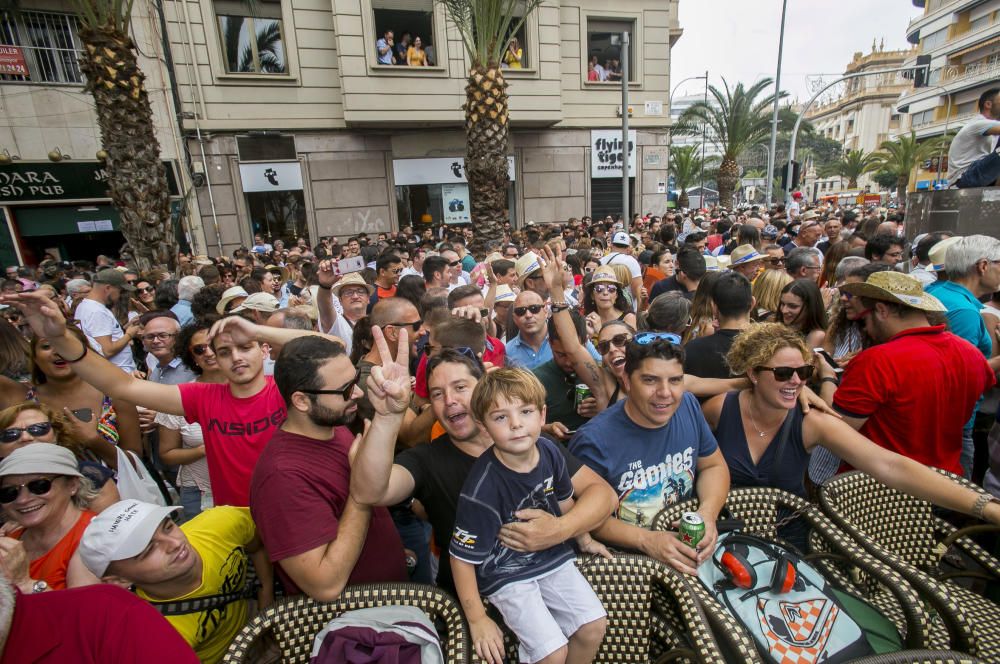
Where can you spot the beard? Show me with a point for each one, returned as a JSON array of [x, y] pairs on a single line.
[[328, 417]]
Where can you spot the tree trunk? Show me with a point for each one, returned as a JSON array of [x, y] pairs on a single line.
[[137, 180], [682, 199], [727, 179], [901, 185], [487, 135], [852, 183]]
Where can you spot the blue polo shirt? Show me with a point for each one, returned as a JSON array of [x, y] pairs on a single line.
[[522, 356], [963, 314]]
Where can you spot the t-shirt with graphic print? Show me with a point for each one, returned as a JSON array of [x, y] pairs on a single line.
[[649, 468], [491, 495]]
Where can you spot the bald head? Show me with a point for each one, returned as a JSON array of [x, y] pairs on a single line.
[[392, 310]]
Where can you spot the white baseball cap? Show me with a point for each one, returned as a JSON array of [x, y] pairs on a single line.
[[621, 239], [120, 531]]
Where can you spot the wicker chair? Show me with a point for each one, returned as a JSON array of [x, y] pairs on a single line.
[[836, 554], [920, 657], [652, 616], [295, 622], [903, 532]]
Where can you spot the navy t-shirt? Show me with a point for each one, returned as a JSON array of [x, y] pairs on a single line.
[[649, 468], [490, 496]]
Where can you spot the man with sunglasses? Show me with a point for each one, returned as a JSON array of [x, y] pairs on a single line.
[[655, 449]]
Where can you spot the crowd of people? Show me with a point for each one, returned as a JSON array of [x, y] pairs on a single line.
[[465, 416]]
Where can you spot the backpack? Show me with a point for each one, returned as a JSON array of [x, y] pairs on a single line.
[[380, 635], [793, 614]]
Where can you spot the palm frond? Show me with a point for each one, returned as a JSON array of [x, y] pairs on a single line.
[[484, 25]]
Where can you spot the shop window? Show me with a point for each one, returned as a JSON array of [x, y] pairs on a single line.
[[252, 41], [48, 44], [408, 22], [424, 204], [278, 215], [604, 49]]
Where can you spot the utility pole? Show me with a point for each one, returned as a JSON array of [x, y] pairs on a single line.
[[774, 112], [704, 128], [626, 213]]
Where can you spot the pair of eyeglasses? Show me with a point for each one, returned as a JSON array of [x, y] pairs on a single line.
[[157, 336], [39, 487], [588, 270], [397, 270], [12, 434], [146, 289], [344, 392], [533, 308], [454, 263], [199, 349], [784, 374], [618, 341], [464, 350], [354, 292], [844, 294], [415, 325], [646, 338], [610, 289]]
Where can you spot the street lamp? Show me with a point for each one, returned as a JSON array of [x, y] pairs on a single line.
[[774, 112], [704, 126]]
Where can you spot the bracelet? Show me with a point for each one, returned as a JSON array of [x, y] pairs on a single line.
[[326, 287], [980, 505], [829, 379], [86, 349], [559, 306]]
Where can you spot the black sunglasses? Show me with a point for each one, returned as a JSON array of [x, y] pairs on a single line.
[[40, 487], [199, 349], [784, 374], [146, 289], [12, 434], [344, 392], [416, 325], [533, 308], [619, 341]]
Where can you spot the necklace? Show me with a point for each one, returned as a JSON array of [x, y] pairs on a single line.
[[752, 422]]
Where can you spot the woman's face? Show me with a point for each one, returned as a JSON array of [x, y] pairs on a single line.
[[31, 510], [614, 358], [417, 43], [145, 291], [851, 304], [268, 282], [202, 351], [790, 308], [49, 362], [27, 419], [777, 393], [666, 264], [604, 294], [590, 267]]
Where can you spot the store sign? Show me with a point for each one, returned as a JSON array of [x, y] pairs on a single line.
[[273, 176], [435, 171], [12, 61], [25, 182], [455, 198], [606, 154]]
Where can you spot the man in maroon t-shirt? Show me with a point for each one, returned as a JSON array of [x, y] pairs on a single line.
[[300, 497], [913, 392]]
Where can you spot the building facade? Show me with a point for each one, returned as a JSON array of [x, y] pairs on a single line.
[[962, 38], [862, 116], [296, 129]]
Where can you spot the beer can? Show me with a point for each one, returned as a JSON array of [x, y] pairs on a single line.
[[692, 529], [582, 392]]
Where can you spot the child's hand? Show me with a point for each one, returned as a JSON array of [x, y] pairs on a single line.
[[487, 640], [588, 544]]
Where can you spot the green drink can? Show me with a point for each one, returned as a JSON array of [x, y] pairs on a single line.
[[582, 392], [692, 529]]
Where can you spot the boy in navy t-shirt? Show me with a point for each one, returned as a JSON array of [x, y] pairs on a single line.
[[542, 596]]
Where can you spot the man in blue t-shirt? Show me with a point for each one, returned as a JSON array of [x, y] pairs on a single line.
[[655, 449]]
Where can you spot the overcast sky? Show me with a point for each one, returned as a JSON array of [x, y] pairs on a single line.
[[738, 39]]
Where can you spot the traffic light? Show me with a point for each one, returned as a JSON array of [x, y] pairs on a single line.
[[784, 176], [922, 71]]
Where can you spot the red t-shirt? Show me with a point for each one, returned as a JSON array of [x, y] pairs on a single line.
[[92, 625], [299, 491], [917, 391], [495, 354], [235, 431]]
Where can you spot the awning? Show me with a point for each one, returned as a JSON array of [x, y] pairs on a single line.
[[975, 47]]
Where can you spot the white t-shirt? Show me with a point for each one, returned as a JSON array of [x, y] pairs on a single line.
[[619, 258], [970, 144], [96, 320]]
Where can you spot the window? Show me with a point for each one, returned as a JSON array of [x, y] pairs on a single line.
[[968, 108], [850, 125], [894, 120], [934, 40], [48, 43], [604, 50], [922, 118], [409, 21], [980, 23], [266, 147], [278, 215], [252, 42]]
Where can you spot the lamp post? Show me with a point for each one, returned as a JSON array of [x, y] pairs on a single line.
[[774, 112]]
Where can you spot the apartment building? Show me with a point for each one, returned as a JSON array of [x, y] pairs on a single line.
[[297, 130], [962, 37]]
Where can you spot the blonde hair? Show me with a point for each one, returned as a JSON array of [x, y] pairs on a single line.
[[756, 345], [767, 288], [622, 274], [63, 435], [508, 384]]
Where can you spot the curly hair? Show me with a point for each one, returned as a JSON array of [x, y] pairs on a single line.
[[757, 344], [183, 344]]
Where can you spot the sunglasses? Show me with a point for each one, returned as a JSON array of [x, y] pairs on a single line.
[[454, 263], [199, 349], [40, 487], [618, 341], [646, 338], [533, 308], [610, 289], [784, 374], [415, 325], [12, 434], [464, 350], [344, 392], [146, 289], [397, 270]]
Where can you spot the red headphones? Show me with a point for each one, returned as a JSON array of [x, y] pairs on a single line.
[[741, 573]]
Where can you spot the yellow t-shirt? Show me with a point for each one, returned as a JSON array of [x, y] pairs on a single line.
[[417, 58], [220, 536]]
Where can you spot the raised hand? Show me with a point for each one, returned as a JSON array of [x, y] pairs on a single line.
[[327, 274], [552, 269], [389, 384], [240, 329], [39, 311]]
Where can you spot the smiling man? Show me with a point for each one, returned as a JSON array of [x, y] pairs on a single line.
[[655, 449]]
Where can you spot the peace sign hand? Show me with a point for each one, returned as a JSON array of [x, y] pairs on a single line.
[[389, 384]]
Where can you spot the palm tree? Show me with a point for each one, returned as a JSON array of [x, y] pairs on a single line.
[[137, 180], [485, 26], [737, 119], [901, 156], [686, 167], [852, 165]]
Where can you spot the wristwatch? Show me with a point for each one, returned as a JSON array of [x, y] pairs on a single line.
[[39, 587], [979, 509], [559, 306]]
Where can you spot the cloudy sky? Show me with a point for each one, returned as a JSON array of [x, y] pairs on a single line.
[[738, 39]]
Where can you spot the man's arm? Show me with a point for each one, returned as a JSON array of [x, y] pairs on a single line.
[[661, 545], [243, 331], [265, 571], [324, 296], [109, 347], [712, 487]]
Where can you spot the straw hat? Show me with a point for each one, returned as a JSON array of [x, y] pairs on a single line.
[[527, 265], [604, 274], [228, 296], [724, 261], [258, 302], [504, 294], [938, 253], [891, 286], [352, 279], [745, 253], [711, 264]]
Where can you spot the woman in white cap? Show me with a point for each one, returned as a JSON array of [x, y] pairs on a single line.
[[45, 494], [604, 300]]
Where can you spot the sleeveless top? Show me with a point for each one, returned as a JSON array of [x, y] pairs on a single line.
[[107, 421], [52, 565]]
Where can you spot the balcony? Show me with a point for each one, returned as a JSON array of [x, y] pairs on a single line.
[[954, 78], [938, 127], [935, 10]]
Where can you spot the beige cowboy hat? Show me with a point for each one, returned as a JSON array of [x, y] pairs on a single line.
[[352, 279], [745, 253], [939, 251], [890, 286]]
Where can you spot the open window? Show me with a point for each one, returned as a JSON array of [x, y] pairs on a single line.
[[408, 21], [604, 48], [253, 42]]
